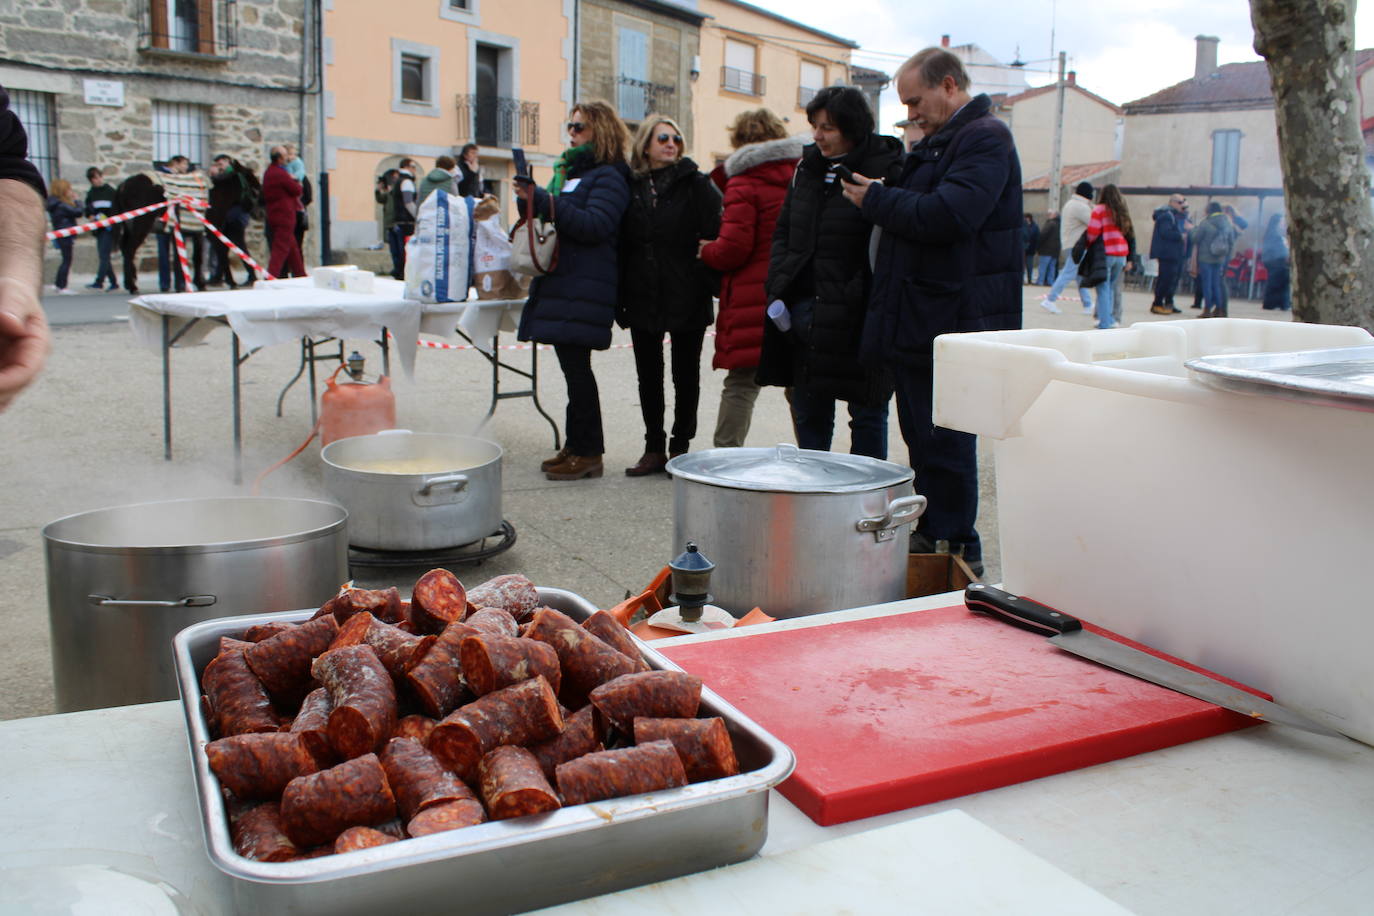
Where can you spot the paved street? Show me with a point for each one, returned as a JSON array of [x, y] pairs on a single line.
[[89, 435]]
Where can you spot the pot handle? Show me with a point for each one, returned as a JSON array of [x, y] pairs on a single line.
[[188, 601], [900, 511], [458, 480]]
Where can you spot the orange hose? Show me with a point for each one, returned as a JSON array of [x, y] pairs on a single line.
[[257, 483]]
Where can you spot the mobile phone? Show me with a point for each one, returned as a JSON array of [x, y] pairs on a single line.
[[522, 168], [843, 171]]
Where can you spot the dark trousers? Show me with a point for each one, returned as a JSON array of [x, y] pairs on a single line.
[[813, 419], [1167, 281], [64, 247], [234, 228], [582, 423], [685, 348], [946, 466], [104, 245], [1030, 266], [169, 275], [396, 240], [1276, 291]]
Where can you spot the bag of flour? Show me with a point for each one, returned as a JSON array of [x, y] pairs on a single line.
[[439, 256]]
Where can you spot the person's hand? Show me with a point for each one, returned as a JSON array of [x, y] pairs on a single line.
[[24, 338], [856, 189]]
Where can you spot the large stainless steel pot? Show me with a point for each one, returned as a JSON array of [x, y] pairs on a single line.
[[795, 531], [123, 581], [415, 491]]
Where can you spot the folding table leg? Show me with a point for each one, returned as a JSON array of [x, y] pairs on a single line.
[[166, 388]]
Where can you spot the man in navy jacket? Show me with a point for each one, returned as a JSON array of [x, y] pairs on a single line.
[[1166, 246], [949, 259]]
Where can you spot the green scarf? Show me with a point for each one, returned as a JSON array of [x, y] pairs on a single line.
[[560, 168]]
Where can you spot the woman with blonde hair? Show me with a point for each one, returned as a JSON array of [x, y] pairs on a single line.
[[573, 306], [756, 178], [664, 287], [64, 211]]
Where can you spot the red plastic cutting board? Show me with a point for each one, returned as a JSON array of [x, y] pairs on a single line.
[[893, 712]]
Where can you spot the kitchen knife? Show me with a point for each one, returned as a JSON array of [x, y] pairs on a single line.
[[1067, 633]]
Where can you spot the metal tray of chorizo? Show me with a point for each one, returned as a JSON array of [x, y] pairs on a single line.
[[318, 797]]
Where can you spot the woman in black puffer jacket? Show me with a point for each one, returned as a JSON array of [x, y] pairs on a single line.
[[573, 307], [664, 286], [819, 268]]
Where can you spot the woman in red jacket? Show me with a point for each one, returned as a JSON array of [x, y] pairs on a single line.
[[757, 176], [1112, 222]]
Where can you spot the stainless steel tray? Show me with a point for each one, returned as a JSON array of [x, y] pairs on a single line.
[[1341, 377], [504, 866]]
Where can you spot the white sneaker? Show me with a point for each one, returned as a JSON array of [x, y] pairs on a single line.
[[1049, 306], [66, 292]]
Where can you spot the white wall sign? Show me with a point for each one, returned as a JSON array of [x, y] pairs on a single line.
[[104, 92]]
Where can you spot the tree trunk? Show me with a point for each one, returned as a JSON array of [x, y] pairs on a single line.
[[1309, 46]]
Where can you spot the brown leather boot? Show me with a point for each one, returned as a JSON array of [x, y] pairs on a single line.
[[576, 467], [649, 463], [562, 456]]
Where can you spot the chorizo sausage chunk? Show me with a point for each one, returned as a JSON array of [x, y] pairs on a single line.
[[239, 702], [494, 621], [282, 662], [317, 808], [437, 600], [364, 698], [703, 744], [259, 764], [613, 633], [492, 662], [258, 834], [524, 713], [652, 694], [629, 771], [512, 593], [436, 678], [587, 661], [312, 724], [416, 778], [355, 838], [417, 727], [578, 737], [394, 646], [450, 816], [513, 785]]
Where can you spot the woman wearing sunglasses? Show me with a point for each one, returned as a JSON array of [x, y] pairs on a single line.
[[664, 287], [820, 270], [573, 307]]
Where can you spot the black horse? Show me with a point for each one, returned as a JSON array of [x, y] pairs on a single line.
[[235, 196], [136, 191]]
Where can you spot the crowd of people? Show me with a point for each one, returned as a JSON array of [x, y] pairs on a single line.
[[836, 263], [1205, 251]]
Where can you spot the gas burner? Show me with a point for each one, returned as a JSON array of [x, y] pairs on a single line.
[[475, 552]]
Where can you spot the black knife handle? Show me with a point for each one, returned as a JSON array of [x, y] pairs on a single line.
[[1023, 612]]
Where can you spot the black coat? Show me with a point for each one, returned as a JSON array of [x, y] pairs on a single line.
[[664, 286], [950, 257], [1167, 243], [575, 305], [1049, 238], [820, 250]]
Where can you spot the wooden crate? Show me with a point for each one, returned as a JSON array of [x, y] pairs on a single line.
[[936, 573]]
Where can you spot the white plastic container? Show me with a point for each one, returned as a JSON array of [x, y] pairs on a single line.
[[331, 277], [1233, 530]]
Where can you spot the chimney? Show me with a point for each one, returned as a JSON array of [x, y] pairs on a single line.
[[944, 41], [1206, 56], [1072, 78]]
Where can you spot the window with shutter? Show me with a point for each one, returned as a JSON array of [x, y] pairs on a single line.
[[1225, 158], [632, 97]]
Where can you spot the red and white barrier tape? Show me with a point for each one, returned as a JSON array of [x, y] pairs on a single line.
[[104, 222]]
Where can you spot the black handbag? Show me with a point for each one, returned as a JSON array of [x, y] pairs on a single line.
[[1091, 258]]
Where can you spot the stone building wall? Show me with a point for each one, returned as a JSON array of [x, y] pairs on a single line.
[[253, 92]]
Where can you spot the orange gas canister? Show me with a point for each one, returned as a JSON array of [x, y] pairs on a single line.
[[356, 407]]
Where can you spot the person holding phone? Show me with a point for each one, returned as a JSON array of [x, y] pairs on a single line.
[[819, 268], [664, 287], [573, 306]]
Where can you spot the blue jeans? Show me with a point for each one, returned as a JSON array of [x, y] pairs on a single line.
[[946, 466], [1049, 269], [1067, 276], [168, 264], [813, 416], [396, 239], [64, 247], [1209, 276], [1106, 318], [104, 243]]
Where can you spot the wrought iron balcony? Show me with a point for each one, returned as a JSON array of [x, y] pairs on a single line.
[[743, 81], [490, 120], [636, 99], [191, 28]]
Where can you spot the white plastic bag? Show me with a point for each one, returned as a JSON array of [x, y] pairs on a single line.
[[491, 271], [439, 256]]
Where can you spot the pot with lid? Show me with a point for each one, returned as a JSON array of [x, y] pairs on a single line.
[[795, 531]]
